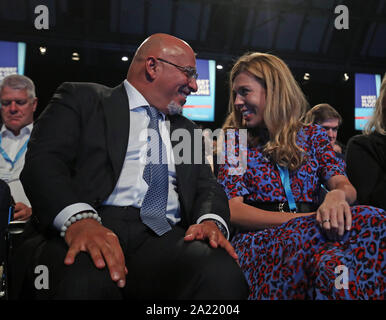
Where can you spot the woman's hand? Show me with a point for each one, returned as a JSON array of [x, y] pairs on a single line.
[[334, 215]]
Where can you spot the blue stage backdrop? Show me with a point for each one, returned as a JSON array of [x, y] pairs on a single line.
[[367, 88], [200, 105], [12, 58]]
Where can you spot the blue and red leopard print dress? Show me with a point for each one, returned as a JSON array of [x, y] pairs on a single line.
[[295, 260]]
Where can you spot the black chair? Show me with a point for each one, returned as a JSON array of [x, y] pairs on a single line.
[[6, 212], [9, 235]]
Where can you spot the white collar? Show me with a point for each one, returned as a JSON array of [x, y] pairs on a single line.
[[136, 99], [23, 131]]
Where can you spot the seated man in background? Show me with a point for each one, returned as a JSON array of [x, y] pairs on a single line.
[[326, 116], [18, 103], [116, 225]]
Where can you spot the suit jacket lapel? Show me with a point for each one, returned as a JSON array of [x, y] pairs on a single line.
[[173, 126], [183, 171], [116, 107]]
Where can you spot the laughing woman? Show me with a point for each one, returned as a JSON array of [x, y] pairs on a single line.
[[289, 247]]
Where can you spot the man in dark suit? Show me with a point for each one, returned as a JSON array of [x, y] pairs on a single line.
[[85, 176]]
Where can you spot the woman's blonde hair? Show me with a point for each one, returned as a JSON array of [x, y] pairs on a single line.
[[377, 122], [284, 110]]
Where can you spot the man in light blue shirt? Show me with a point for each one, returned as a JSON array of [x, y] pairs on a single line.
[[18, 103]]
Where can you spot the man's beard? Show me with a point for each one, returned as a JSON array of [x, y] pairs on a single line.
[[174, 108]]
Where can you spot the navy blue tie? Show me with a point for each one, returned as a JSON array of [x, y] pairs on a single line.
[[153, 210]]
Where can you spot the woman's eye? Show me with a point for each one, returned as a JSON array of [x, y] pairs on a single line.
[[243, 92]]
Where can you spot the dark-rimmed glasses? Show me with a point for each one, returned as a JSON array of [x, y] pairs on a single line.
[[191, 72]]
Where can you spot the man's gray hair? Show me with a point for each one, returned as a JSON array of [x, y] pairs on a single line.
[[19, 82]]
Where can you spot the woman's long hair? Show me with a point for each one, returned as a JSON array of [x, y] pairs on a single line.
[[285, 107], [377, 122]]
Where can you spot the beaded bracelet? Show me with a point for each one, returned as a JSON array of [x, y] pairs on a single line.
[[77, 217]]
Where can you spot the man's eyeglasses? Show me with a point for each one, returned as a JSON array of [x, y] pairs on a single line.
[[20, 103], [191, 72]]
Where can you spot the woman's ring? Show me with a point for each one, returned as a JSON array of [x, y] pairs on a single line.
[[327, 220]]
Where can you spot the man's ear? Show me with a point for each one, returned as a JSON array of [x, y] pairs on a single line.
[[34, 104], [151, 68]]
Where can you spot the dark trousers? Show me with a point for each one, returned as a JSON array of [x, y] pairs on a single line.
[[163, 267]]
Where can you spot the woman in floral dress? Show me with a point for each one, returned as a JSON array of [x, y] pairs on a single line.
[[315, 251]]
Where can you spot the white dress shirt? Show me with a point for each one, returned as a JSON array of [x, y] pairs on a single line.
[[11, 145], [131, 188]]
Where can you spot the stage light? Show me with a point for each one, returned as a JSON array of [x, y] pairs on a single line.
[[346, 77], [75, 56], [219, 67], [42, 50], [124, 58], [306, 76]]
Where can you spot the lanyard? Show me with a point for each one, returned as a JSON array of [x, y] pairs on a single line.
[[284, 175], [18, 155]]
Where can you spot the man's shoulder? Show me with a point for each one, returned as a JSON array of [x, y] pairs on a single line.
[[361, 139], [86, 92], [87, 87], [373, 140]]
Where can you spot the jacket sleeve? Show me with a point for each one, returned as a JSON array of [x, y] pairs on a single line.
[[365, 173], [46, 176]]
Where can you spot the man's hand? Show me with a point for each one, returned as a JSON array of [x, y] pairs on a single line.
[[22, 211], [102, 244], [208, 230], [337, 148]]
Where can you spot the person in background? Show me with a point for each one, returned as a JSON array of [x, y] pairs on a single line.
[[288, 247], [326, 116], [366, 157], [18, 103]]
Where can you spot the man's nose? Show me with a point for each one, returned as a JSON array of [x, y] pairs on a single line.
[[193, 85], [13, 108]]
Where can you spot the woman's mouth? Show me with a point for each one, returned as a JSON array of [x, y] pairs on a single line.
[[247, 113]]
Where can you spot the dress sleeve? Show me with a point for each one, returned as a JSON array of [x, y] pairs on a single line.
[[232, 166], [329, 163]]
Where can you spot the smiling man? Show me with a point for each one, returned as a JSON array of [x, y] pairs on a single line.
[[18, 103], [116, 225]]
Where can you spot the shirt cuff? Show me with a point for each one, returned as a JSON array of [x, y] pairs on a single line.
[[212, 216], [69, 211]]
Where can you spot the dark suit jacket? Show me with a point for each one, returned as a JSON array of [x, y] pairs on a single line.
[[366, 168], [77, 149]]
